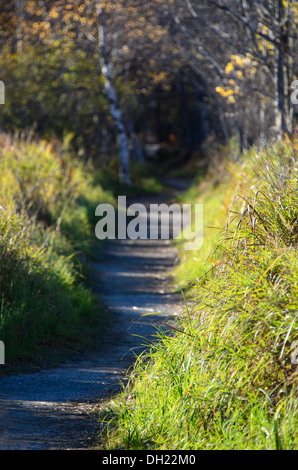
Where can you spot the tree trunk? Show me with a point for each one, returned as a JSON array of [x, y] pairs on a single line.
[[123, 141], [137, 149], [281, 73], [185, 113]]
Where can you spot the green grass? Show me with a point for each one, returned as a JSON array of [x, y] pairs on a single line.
[[145, 178], [47, 205], [215, 193], [226, 380]]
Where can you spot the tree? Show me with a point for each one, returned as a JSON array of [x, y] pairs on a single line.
[[270, 32], [249, 44]]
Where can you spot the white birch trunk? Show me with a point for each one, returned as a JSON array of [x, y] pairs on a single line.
[[123, 141], [280, 73]]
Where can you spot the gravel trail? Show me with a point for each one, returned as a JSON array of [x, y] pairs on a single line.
[[50, 409]]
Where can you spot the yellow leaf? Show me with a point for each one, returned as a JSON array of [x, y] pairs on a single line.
[[220, 90], [239, 61], [54, 14], [229, 68]]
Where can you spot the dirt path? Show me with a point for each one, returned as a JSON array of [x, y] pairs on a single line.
[[50, 409]]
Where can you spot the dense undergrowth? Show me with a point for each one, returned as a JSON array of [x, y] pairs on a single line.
[[228, 380], [47, 204]]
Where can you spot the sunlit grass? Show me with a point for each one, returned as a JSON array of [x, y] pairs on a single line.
[[226, 381], [47, 205]]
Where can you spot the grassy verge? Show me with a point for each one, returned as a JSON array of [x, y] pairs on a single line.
[[47, 204], [228, 380]]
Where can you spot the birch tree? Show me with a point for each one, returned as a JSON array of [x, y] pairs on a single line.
[[124, 172]]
